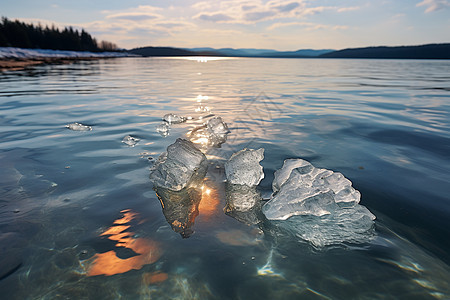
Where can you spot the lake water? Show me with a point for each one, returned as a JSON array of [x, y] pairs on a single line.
[[79, 218]]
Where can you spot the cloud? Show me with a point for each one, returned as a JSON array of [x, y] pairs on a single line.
[[287, 7], [214, 17], [345, 9], [259, 15], [434, 5], [137, 17], [307, 26]]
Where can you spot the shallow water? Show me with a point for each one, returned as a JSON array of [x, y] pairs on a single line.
[[79, 217]]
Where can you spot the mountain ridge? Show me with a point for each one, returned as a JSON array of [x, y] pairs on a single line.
[[426, 51]]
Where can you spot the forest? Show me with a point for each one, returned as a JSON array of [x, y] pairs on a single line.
[[22, 35]]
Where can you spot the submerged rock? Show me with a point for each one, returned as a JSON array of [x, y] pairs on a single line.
[[174, 119], [318, 205], [130, 141], [179, 166], [243, 167], [78, 127]]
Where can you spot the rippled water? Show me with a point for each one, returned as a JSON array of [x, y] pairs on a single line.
[[79, 217]]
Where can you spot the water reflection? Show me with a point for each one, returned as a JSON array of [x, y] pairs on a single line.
[[180, 208], [108, 263], [243, 203]]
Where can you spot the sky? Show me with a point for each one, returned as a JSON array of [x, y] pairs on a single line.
[[275, 24]]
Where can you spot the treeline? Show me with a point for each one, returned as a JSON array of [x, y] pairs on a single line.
[[22, 35]]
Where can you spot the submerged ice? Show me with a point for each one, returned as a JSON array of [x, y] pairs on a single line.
[[78, 127], [130, 140], [174, 119], [179, 166], [319, 205], [243, 167]]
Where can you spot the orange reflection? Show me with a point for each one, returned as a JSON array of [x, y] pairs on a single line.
[[108, 263], [210, 201], [154, 277]]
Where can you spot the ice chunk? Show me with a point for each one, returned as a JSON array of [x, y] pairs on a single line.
[[301, 189], [318, 205], [130, 141], [163, 129], [78, 127], [212, 133], [243, 167], [179, 166], [173, 119], [218, 131], [347, 225]]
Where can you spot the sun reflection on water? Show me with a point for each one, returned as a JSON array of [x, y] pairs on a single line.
[[108, 263]]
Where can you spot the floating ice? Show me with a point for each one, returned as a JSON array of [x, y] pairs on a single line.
[[212, 133], [78, 127], [130, 141], [179, 166], [324, 205], [301, 189], [218, 130], [163, 129], [243, 167], [173, 119]]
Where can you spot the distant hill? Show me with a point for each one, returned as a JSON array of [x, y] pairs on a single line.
[[167, 51], [251, 52], [429, 51]]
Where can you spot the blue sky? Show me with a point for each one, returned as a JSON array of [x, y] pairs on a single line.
[[273, 24]]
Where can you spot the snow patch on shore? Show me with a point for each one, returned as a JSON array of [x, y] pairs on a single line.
[[21, 53]]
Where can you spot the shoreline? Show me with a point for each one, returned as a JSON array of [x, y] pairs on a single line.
[[17, 64]]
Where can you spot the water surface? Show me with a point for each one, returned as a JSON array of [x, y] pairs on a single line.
[[79, 217]]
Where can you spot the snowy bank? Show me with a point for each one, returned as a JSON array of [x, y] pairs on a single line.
[[20, 53]]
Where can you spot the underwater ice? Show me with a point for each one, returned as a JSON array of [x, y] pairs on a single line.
[[78, 127], [322, 203], [243, 167], [179, 166], [130, 141], [174, 119], [163, 129]]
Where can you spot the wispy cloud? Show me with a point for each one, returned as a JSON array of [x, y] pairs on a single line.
[[133, 16], [213, 17], [307, 26], [434, 5]]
